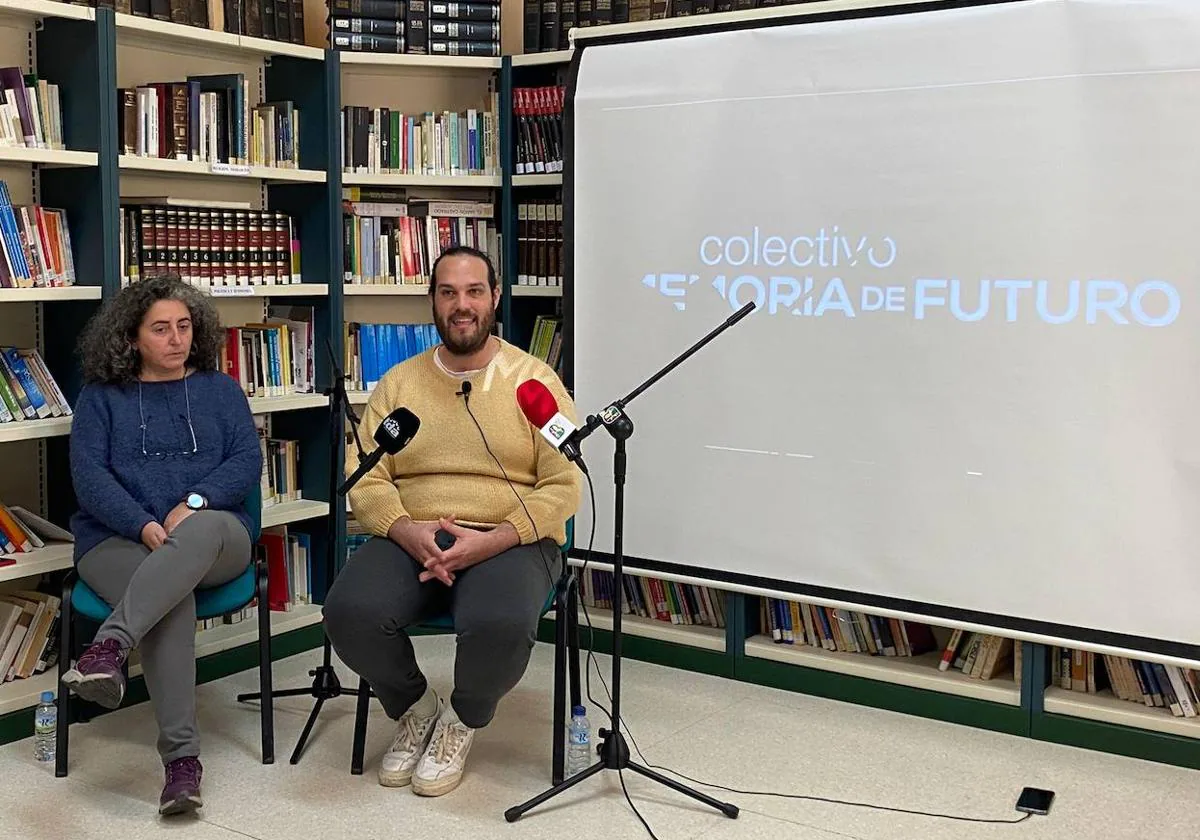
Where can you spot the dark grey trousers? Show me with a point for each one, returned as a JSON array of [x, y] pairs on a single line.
[[495, 605], [154, 610]]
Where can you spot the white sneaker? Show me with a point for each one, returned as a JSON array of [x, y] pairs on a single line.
[[441, 767], [412, 738]]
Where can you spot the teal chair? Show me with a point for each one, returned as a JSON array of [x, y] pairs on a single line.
[[563, 599], [80, 601]]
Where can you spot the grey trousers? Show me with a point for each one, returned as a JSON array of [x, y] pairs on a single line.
[[495, 605], [154, 610]]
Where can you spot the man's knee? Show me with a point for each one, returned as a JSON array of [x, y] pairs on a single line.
[[502, 630]]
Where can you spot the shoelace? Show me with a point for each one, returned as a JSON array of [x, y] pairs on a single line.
[[410, 736], [447, 741], [184, 771]]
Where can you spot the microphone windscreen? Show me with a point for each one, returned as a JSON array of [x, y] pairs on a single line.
[[397, 430], [536, 402]]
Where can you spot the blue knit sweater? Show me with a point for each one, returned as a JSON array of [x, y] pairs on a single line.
[[120, 489]]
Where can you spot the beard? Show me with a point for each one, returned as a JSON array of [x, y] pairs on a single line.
[[473, 340]]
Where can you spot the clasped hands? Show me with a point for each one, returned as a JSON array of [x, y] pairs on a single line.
[[471, 546], [154, 535]]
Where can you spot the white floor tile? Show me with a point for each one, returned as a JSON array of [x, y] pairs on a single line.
[[740, 735]]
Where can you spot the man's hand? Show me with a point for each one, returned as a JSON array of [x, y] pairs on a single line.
[[470, 547], [417, 538], [153, 535], [178, 513]]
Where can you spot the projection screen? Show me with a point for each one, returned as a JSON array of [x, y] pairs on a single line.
[[971, 387]]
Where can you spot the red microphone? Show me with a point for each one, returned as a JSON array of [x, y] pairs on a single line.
[[541, 410]]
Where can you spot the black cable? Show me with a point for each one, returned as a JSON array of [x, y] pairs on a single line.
[[637, 749]]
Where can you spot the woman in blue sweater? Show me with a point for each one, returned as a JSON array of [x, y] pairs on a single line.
[[163, 452]]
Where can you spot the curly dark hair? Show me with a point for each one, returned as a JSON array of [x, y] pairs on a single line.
[[107, 347]]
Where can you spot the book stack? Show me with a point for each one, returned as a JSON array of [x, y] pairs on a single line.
[[28, 391], [376, 26], [419, 27]]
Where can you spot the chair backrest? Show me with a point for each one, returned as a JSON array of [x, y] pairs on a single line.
[[253, 504]]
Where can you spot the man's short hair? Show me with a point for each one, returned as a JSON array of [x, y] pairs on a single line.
[[463, 251]]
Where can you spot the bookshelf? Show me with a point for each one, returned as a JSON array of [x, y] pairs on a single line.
[[91, 52]]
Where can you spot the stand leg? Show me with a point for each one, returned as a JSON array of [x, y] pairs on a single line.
[[728, 809]]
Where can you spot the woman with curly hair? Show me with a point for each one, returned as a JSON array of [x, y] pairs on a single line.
[[163, 453]]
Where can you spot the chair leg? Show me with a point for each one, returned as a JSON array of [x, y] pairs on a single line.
[[573, 640], [559, 729], [361, 711], [267, 707], [65, 654]]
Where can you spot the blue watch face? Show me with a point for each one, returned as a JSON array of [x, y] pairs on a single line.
[[195, 501]]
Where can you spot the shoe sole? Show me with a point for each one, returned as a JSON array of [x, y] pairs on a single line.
[[101, 689], [397, 778], [439, 788], [183, 805]]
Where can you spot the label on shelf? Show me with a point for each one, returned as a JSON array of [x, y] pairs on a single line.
[[232, 291], [230, 169]]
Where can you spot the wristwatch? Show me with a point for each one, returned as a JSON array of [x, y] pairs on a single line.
[[195, 501]]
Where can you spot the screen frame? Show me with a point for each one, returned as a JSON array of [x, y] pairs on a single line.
[[1096, 640]]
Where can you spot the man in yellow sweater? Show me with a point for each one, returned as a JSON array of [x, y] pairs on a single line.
[[479, 472]]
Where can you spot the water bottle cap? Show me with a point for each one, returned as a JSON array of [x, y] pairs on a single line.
[[47, 696], [578, 711]]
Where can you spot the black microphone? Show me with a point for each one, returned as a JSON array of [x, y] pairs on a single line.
[[394, 433], [465, 391]]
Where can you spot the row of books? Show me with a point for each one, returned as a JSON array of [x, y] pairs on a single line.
[[546, 23], [208, 119], [274, 357], [281, 467], [208, 243], [29, 633], [28, 391], [540, 243], [417, 27], [388, 141], [546, 340], [288, 555], [35, 245], [538, 112], [398, 241], [654, 598], [22, 531], [374, 349], [30, 111], [275, 20], [1148, 683]]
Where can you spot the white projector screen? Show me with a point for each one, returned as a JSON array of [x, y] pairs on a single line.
[[973, 379]]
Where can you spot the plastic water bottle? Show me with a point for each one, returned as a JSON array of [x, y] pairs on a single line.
[[579, 742], [45, 727]]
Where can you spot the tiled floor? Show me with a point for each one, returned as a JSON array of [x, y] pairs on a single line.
[[733, 734]]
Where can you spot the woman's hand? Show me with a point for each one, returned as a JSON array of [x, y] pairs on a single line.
[[178, 513], [153, 535]]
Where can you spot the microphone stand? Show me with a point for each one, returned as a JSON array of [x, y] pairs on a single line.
[[325, 684], [614, 751]]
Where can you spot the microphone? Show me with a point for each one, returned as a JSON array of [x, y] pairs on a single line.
[[394, 433], [541, 410], [465, 390]]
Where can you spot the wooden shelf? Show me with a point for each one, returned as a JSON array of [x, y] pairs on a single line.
[[34, 429], [199, 169], [1109, 709], [536, 291], [285, 513], [691, 635], [37, 9], [386, 289], [53, 558], [915, 671], [352, 60], [549, 179], [381, 179], [542, 58], [291, 402], [50, 294], [46, 157], [161, 34], [275, 290], [358, 397]]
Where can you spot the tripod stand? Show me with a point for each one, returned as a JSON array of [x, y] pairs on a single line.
[[614, 751], [325, 684]]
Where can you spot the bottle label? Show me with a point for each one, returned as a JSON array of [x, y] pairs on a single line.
[[580, 737]]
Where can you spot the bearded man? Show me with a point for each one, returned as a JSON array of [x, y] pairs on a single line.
[[478, 473]]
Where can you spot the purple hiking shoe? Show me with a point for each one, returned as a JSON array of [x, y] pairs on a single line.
[[181, 793], [98, 676]]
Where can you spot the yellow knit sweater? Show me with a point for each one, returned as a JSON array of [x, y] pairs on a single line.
[[447, 470]]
